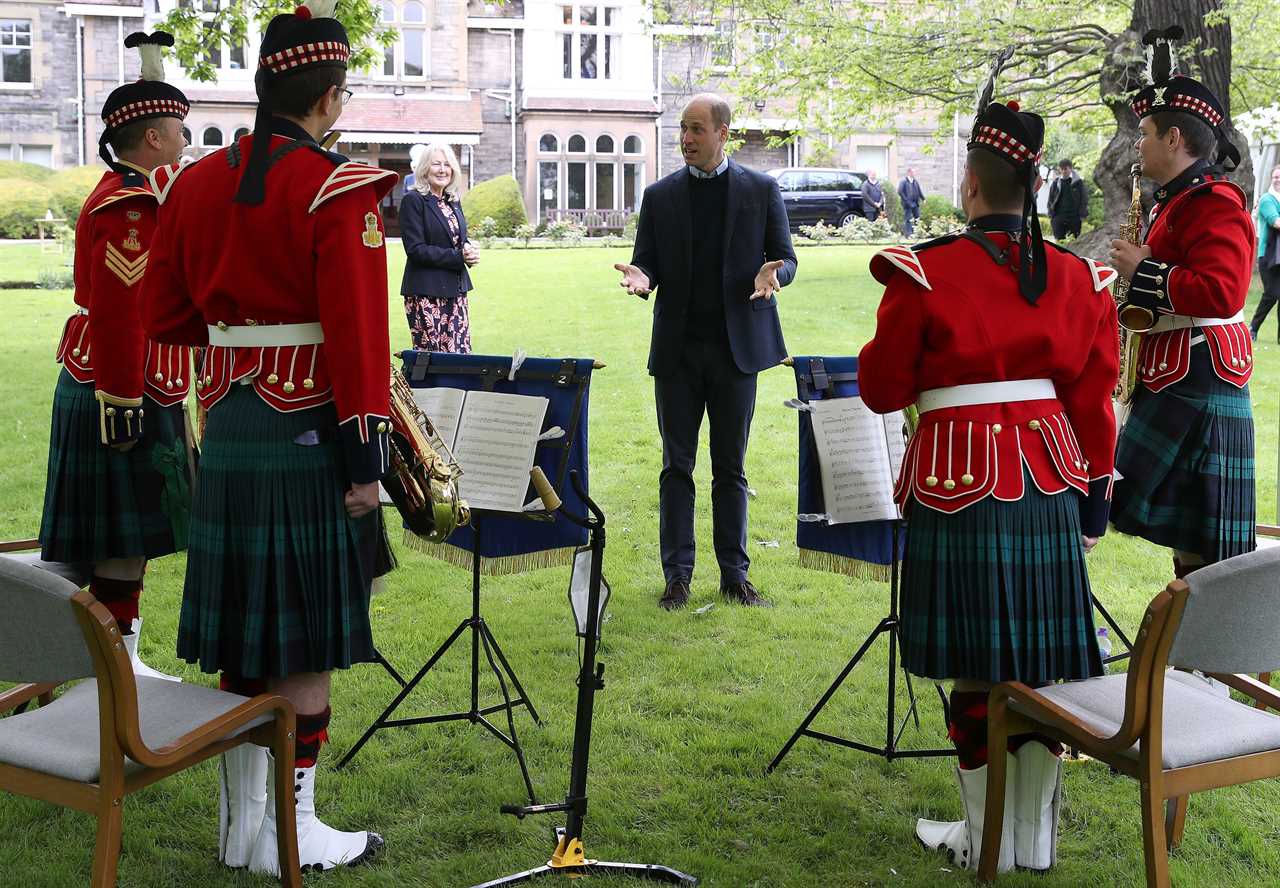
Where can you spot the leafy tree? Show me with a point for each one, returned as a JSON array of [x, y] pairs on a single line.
[[199, 30]]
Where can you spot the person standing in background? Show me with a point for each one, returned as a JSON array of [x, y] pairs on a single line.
[[433, 231], [1068, 202], [911, 195], [1268, 253], [872, 197]]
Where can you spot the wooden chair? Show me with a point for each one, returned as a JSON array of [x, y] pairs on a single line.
[[112, 735], [1166, 728]]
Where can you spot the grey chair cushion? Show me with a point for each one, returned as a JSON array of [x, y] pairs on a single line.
[[80, 574], [62, 739], [1200, 725], [46, 644], [1232, 618]]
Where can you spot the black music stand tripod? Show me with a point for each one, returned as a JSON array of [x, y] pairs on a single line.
[[569, 858], [482, 639], [889, 626]]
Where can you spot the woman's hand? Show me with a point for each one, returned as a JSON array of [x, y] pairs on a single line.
[[470, 254]]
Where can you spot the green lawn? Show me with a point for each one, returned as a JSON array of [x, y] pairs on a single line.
[[694, 705]]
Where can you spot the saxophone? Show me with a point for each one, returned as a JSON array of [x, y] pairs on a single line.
[[1134, 320]]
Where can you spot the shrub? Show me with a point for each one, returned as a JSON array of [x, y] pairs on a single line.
[[70, 189], [935, 227], [862, 230], [892, 205], [16, 169], [498, 199], [486, 228], [1095, 217], [526, 232], [59, 278], [566, 230], [631, 226], [21, 203], [935, 206], [820, 232], [820, 155]]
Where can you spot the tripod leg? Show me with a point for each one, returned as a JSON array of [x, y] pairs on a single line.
[[1124, 639], [511, 673], [391, 670], [883, 626], [485, 639]]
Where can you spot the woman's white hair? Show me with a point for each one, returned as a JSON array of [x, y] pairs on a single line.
[[422, 166]]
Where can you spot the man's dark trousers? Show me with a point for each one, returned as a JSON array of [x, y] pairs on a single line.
[[707, 381], [1064, 226]]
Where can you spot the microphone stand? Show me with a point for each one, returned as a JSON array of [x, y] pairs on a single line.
[[569, 857]]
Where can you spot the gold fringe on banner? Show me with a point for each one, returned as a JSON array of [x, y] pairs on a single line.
[[491, 567], [843, 564]]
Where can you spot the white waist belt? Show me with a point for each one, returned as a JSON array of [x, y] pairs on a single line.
[[263, 335], [1182, 322], [986, 393]]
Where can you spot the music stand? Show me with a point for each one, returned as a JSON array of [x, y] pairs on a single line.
[[818, 377], [488, 372], [569, 858]]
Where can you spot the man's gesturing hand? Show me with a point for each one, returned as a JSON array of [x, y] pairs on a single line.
[[634, 281], [767, 280]]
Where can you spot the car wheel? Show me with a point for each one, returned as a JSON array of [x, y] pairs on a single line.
[[846, 218]]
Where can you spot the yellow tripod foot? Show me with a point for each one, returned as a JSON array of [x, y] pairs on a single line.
[[568, 853]]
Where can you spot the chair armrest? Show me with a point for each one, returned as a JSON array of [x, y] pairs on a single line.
[[1250, 687], [19, 545], [1054, 716], [24, 693], [207, 734]]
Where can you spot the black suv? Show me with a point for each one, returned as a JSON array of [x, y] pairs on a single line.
[[820, 195]]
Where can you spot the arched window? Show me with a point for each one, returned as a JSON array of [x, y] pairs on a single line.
[[211, 137], [388, 52], [241, 132], [548, 142], [604, 145], [186, 134], [632, 145], [577, 145]]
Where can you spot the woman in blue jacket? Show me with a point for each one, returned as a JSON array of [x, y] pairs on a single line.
[[1268, 253], [434, 233]]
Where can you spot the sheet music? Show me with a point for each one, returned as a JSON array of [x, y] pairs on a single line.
[[495, 442], [859, 456], [443, 406]]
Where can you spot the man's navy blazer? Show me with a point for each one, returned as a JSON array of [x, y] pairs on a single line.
[[433, 265], [755, 231]]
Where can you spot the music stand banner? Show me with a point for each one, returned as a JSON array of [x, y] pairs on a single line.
[[863, 549], [513, 543]]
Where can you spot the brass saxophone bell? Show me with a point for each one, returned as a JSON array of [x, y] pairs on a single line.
[[1135, 318]]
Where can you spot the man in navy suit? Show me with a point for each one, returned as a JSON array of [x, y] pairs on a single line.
[[713, 241]]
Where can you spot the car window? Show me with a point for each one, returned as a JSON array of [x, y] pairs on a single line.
[[791, 182], [822, 182], [845, 181]]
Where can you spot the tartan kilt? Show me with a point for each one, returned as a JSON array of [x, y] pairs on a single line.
[[278, 575], [100, 503], [1186, 460], [998, 592]]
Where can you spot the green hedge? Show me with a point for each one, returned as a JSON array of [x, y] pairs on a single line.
[[935, 205], [32, 172], [21, 203], [70, 188], [500, 199]]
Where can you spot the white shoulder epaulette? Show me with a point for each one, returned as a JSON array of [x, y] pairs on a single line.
[[905, 259], [163, 177], [1103, 275], [348, 176], [123, 194]]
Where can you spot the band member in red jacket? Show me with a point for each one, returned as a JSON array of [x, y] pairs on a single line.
[[1007, 346], [1184, 462], [272, 259], [118, 489]]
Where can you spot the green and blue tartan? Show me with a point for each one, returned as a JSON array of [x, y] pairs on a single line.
[[1186, 457], [278, 575], [100, 503], [998, 591]]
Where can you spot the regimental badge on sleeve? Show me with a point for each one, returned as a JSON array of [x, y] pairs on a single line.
[[371, 237]]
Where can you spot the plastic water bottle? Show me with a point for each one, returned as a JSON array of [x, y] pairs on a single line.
[[1104, 645]]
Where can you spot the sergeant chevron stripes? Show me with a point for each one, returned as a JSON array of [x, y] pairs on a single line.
[[129, 271]]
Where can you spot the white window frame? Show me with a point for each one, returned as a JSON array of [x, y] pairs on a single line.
[[30, 48], [602, 32], [398, 48]]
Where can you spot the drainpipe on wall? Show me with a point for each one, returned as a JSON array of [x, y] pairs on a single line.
[[80, 87], [512, 32]]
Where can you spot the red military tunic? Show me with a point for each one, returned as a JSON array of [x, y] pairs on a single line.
[[951, 316], [103, 343], [313, 251], [1202, 247]]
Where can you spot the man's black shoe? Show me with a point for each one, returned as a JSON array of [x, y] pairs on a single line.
[[744, 594], [676, 596]]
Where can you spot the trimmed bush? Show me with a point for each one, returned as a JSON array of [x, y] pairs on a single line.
[[21, 203], [70, 188], [16, 169], [499, 199], [935, 205]]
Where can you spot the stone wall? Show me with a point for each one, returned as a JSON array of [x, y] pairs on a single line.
[[489, 67], [45, 115]]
